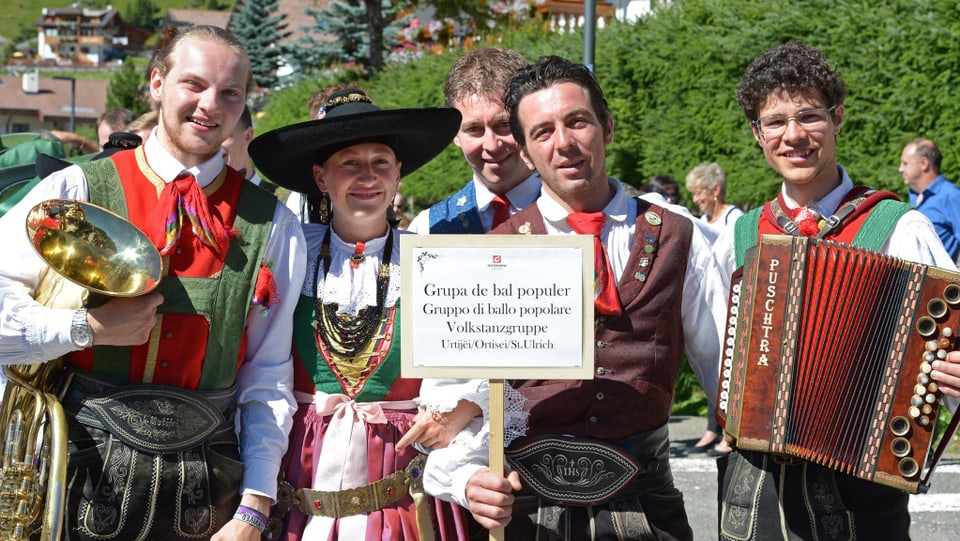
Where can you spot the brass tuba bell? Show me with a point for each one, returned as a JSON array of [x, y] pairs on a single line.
[[92, 255]]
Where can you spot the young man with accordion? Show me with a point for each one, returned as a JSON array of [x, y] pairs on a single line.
[[795, 104]]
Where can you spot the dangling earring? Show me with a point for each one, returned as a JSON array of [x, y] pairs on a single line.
[[324, 208]]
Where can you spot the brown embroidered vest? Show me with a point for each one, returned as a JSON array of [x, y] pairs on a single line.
[[637, 354]]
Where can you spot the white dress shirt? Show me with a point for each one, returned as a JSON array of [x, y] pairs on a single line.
[[33, 333]]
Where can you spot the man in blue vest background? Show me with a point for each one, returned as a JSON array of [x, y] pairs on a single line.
[[503, 183]]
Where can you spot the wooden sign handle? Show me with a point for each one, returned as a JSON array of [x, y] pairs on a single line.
[[496, 440]]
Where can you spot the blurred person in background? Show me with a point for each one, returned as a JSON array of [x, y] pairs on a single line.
[[930, 192]]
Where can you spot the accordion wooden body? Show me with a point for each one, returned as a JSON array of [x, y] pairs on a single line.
[[828, 354]]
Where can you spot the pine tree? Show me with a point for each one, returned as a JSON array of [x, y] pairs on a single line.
[[362, 33], [127, 90], [260, 31], [142, 13]]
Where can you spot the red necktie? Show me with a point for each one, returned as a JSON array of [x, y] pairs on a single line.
[[606, 301], [501, 210]]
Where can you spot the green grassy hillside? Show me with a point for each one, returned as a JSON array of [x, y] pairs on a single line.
[[24, 13]]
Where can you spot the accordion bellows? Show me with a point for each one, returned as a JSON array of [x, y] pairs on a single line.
[[828, 356]]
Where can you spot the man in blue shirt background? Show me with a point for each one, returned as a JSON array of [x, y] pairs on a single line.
[[930, 192]]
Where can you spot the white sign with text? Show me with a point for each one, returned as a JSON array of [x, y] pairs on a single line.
[[497, 306]]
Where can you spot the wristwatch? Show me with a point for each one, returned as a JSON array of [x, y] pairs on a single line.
[[80, 332]]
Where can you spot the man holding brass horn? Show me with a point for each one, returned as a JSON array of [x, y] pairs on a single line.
[[154, 385]]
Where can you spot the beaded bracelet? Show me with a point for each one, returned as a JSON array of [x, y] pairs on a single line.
[[252, 517]]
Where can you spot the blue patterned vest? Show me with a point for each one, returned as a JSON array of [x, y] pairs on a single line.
[[457, 214]]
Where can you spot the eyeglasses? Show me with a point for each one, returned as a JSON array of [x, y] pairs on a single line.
[[808, 119]]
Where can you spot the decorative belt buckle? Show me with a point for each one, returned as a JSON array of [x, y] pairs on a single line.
[[572, 470], [364, 498]]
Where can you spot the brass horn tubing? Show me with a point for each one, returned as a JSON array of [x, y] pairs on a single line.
[[19, 452], [57, 478], [39, 409], [65, 233]]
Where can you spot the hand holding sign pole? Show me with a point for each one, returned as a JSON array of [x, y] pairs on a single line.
[[497, 307]]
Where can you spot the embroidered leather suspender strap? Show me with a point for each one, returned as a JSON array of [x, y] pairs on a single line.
[[831, 222], [872, 235]]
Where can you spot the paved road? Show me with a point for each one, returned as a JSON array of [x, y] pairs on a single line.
[[935, 516]]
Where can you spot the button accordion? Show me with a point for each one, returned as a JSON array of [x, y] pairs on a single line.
[[828, 353]]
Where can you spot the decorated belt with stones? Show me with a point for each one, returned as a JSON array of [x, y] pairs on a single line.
[[362, 499], [572, 470]]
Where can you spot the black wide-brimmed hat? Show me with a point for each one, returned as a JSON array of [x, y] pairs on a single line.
[[286, 155]]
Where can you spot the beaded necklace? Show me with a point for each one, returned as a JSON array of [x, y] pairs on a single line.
[[345, 335]]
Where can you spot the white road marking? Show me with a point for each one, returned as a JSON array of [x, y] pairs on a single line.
[[920, 503], [707, 464], [934, 503]]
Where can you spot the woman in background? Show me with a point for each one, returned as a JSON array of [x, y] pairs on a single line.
[[708, 184]]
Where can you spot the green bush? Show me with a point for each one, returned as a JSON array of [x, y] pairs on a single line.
[[688, 397]]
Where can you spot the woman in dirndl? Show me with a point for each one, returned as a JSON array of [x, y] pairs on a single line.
[[348, 477]]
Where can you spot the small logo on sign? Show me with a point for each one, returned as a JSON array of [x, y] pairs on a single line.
[[497, 259]]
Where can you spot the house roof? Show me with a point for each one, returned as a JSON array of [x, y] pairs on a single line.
[[52, 102], [198, 16], [89, 18]]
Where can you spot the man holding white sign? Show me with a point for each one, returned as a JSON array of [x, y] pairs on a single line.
[[657, 296]]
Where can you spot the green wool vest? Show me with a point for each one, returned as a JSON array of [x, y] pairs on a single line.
[[224, 298]]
